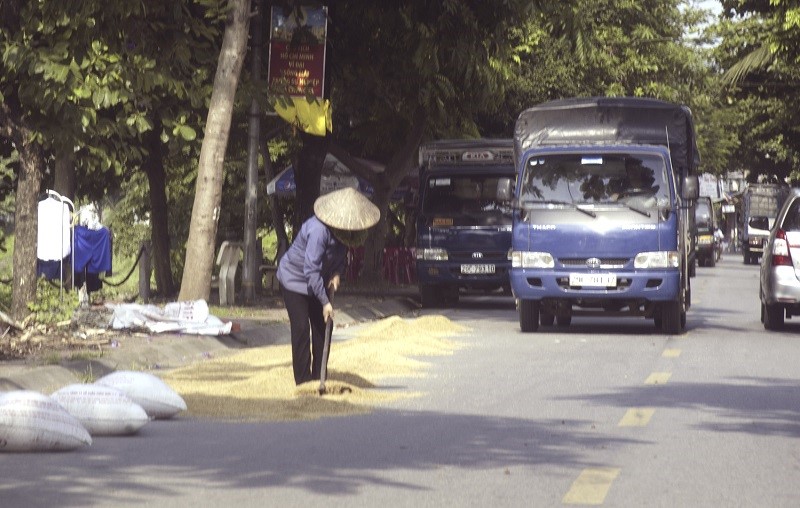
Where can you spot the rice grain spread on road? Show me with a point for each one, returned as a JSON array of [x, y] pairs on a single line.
[[257, 384]]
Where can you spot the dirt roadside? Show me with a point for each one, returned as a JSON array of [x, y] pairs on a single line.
[[87, 348]]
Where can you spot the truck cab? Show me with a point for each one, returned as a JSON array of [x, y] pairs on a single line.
[[705, 225], [464, 218]]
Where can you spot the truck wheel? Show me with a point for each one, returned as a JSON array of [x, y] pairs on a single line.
[[711, 261], [671, 317], [657, 320], [564, 320], [693, 268], [449, 296], [773, 316], [746, 255], [528, 315], [546, 318], [430, 296]]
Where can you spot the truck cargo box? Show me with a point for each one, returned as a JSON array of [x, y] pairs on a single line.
[[609, 120]]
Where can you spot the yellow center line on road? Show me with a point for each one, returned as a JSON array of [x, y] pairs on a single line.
[[658, 378], [637, 417], [671, 353], [591, 486]]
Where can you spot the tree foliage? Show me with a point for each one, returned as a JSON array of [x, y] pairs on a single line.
[[758, 53]]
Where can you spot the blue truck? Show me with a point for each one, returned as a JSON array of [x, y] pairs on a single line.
[[601, 223], [463, 225]]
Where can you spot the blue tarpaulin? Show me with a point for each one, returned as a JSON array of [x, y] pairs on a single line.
[[335, 176]]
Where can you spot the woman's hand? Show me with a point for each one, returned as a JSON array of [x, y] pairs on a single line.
[[327, 312], [333, 284]]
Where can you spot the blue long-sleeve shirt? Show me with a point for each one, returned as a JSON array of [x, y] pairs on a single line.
[[312, 260]]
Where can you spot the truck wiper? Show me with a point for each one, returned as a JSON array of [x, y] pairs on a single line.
[[636, 209], [555, 202]]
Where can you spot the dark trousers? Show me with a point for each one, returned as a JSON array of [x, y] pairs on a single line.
[[308, 334]]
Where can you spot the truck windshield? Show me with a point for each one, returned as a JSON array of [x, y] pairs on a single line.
[[633, 179], [759, 223], [470, 200], [703, 215]]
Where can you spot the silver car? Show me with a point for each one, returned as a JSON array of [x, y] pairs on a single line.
[[779, 290]]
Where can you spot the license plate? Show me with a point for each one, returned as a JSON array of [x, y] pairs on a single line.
[[594, 280], [477, 269]]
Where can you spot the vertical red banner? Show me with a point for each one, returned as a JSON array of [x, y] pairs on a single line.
[[297, 51]]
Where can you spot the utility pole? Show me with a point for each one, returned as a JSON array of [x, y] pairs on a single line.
[[250, 271]]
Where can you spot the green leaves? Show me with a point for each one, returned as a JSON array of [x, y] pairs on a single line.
[[185, 132]]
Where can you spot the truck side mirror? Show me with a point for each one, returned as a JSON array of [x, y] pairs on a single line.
[[504, 189], [691, 188]]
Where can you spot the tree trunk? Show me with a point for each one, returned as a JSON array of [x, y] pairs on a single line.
[[276, 211], [26, 220], [372, 272], [159, 212], [64, 182], [26, 213], [384, 184], [307, 177], [200, 247]]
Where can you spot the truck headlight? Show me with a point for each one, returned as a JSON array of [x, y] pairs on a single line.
[[523, 259], [659, 259], [432, 254]]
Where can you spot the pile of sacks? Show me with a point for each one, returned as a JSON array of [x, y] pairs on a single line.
[[117, 404]]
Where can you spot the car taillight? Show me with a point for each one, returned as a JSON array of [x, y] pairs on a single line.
[[780, 250]]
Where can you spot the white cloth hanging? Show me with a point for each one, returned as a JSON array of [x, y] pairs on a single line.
[[54, 230]]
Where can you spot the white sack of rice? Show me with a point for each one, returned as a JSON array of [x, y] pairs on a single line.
[[103, 410], [33, 422], [156, 397]]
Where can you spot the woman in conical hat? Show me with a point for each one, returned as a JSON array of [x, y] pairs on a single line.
[[314, 263]]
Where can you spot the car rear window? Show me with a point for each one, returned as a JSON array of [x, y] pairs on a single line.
[[792, 220]]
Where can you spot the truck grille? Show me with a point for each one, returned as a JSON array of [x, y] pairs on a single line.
[[466, 256], [605, 263]]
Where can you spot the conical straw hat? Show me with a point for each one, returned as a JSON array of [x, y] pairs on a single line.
[[346, 209]]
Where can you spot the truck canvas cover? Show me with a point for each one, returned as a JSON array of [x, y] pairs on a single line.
[[765, 200], [608, 120]]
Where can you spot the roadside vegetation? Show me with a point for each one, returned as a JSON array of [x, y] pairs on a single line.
[[109, 103]]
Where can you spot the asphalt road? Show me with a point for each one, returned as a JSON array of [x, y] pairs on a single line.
[[605, 412]]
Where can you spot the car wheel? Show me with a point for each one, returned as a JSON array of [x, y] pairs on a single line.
[[773, 316], [528, 315], [711, 261], [564, 319], [546, 318]]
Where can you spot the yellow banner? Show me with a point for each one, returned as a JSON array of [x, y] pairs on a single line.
[[313, 117]]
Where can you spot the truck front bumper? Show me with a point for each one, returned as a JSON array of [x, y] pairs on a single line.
[[650, 285], [447, 273]]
